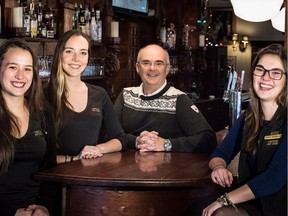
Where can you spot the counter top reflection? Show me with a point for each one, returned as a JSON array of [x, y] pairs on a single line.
[[133, 168], [133, 183]]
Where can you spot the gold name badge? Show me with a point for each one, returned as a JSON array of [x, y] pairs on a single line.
[[273, 137], [95, 109]]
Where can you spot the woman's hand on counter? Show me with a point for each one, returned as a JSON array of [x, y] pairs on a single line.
[[89, 152]]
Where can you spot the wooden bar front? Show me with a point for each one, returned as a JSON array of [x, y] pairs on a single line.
[[136, 184]]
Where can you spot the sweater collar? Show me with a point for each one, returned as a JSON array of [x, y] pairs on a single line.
[[155, 94]]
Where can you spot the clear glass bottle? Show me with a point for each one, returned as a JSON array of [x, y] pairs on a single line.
[[33, 20], [93, 27], [75, 23], [39, 19], [99, 26], [163, 32], [26, 18], [87, 19]]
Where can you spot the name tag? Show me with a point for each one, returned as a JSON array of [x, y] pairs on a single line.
[[38, 133], [273, 137], [95, 109]]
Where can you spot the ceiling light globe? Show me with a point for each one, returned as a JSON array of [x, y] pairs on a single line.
[[256, 10], [278, 21]]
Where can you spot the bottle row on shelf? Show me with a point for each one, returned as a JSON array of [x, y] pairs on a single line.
[[36, 20], [88, 20], [95, 67], [33, 20]]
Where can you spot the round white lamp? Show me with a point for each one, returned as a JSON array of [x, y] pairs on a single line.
[[278, 21], [256, 10]]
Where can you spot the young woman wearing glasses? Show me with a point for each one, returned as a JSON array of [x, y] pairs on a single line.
[[260, 134]]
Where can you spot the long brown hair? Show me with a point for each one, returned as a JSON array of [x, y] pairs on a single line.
[[254, 113], [33, 98], [57, 89]]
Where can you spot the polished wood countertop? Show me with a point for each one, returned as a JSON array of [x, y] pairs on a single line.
[[133, 168]]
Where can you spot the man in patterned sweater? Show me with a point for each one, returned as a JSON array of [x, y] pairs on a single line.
[[157, 116]]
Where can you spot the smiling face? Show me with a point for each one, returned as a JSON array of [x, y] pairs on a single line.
[[75, 56], [16, 72], [153, 77], [266, 88]]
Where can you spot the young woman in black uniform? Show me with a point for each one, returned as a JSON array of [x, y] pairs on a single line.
[[27, 136], [82, 111]]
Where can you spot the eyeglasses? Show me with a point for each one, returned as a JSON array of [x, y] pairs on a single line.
[[275, 74], [148, 64]]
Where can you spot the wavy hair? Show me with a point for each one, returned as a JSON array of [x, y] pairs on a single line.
[[33, 98], [254, 113], [57, 89]]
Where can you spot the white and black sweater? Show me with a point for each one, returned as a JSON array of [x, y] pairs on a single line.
[[171, 113]]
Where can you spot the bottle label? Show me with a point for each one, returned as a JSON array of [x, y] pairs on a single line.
[[27, 24], [50, 33], [44, 32], [33, 28]]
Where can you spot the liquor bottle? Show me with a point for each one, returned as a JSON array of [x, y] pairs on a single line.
[[75, 23], [99, 26], [26, 17], [87, 19], [33, 20], [54, 22], [229, 30], [45, 20], [171, 36], [49, 16], [163, 32], [93, 26], [39, 19], [82, 22]]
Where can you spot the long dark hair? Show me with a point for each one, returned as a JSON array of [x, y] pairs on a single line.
[[254, 113], [57, 84], [33, 98]]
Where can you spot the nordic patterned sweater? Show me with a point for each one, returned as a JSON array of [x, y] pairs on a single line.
[[171, 113]]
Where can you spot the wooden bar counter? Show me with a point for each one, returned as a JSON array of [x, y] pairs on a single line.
[[136, 184]]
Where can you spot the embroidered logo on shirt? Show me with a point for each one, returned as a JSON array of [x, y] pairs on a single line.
[[272, 142], [38, 133], [95, 109], [195, 108], [273, 136]]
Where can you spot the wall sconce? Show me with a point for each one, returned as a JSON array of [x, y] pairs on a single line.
[[234, 42], [242, 44]]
